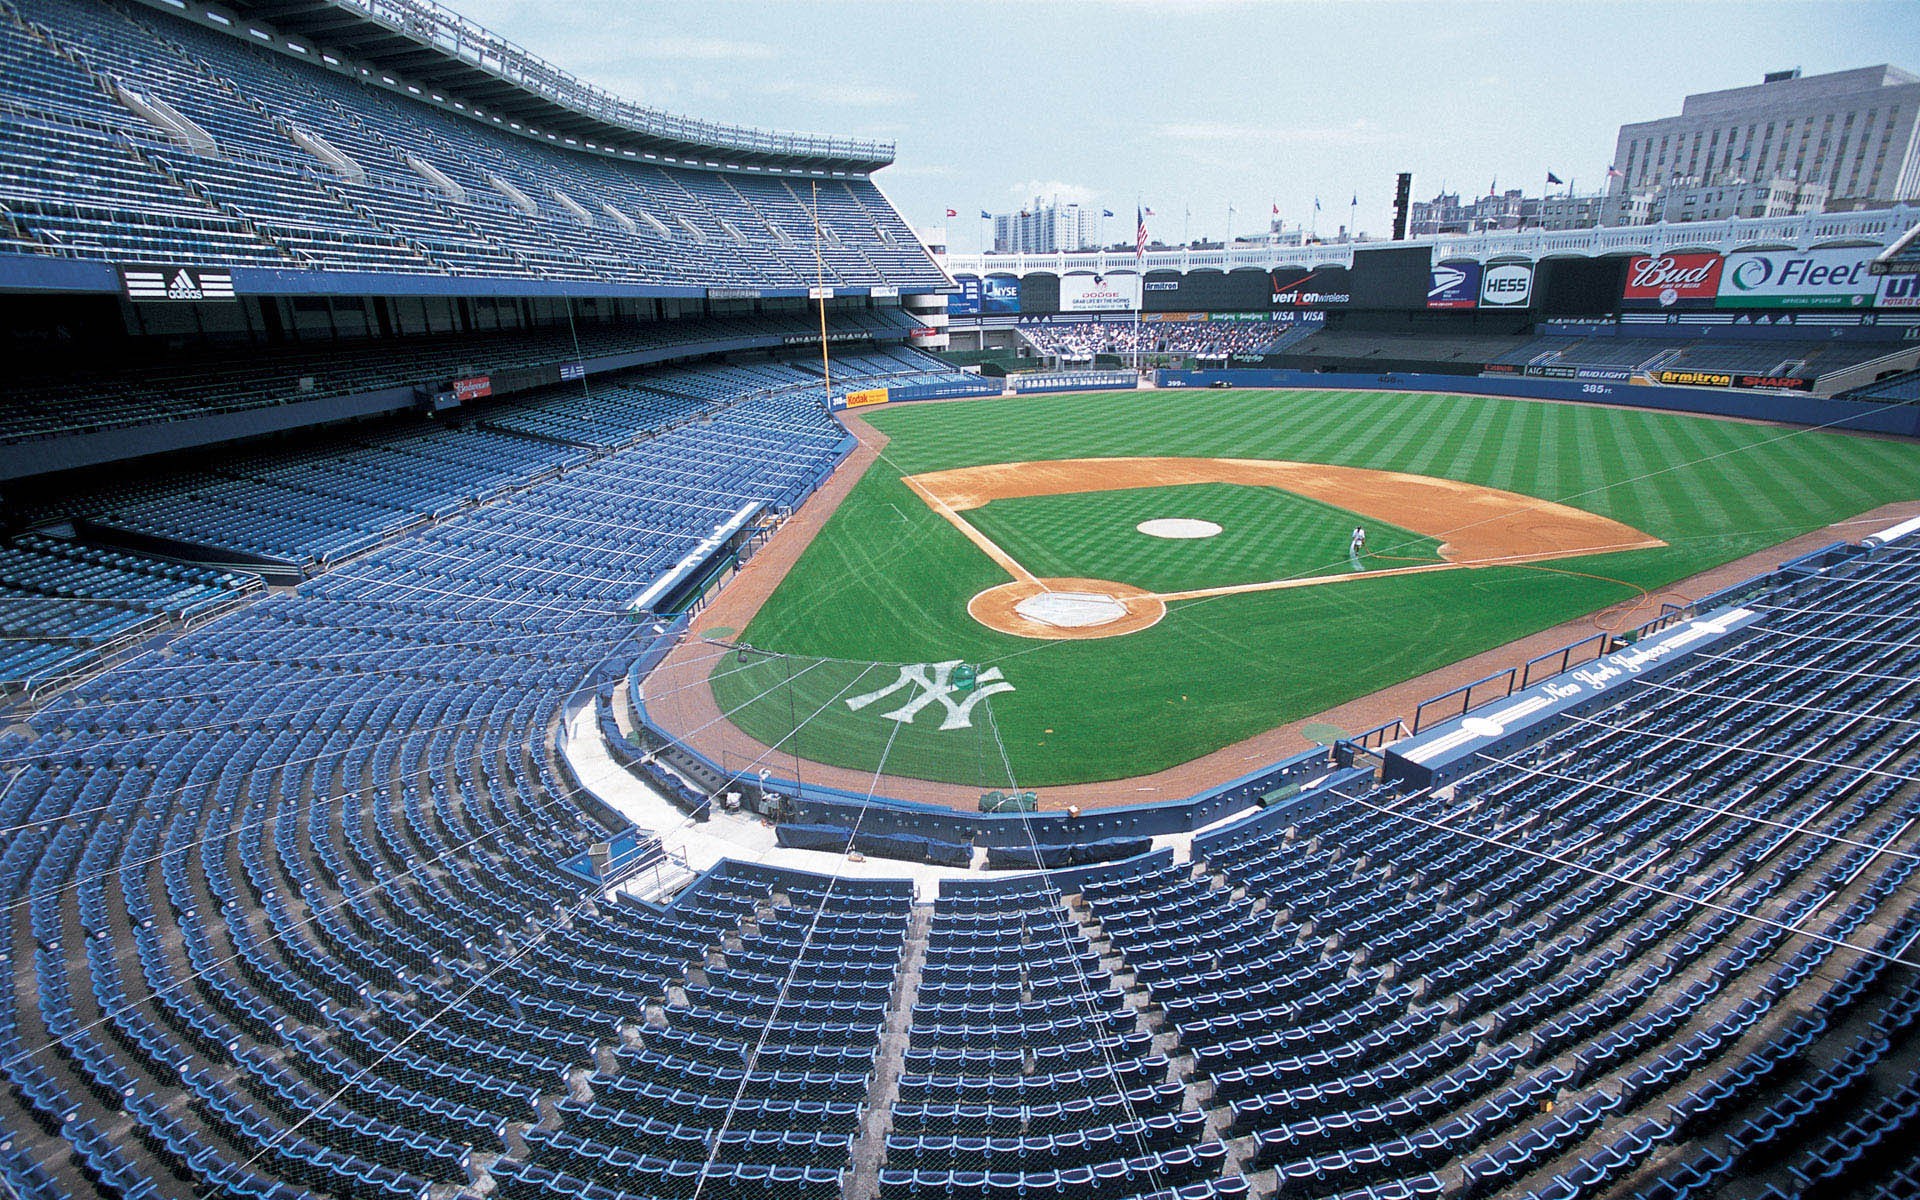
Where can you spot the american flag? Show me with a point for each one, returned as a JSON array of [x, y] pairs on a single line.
[[1139, 234]]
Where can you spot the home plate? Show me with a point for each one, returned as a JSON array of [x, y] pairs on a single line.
[[1178, 527], [1071, 610]]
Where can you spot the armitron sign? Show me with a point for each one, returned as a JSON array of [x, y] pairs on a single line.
[[1695, 378]]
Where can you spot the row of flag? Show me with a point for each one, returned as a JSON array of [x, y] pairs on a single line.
[[1141, 214]]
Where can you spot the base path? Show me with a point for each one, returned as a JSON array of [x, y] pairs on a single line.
[[680, 700], [1477, 526]]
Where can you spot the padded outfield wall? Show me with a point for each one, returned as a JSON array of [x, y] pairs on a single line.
[[1900, 419]]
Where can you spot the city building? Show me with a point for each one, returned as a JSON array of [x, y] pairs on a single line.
[[1047, 227], [1850, 132]]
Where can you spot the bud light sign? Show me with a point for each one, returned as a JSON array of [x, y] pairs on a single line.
[[1672, 281]]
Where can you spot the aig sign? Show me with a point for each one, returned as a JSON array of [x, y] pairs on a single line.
[[1509, 285]]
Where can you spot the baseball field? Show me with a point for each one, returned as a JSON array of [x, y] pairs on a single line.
[[1131, 580]]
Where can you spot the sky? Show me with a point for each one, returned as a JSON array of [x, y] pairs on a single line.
[[1189, 107]]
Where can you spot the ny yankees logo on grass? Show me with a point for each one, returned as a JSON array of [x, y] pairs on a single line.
[[936, 682]]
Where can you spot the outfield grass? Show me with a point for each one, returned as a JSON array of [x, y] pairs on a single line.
[[1265, 534], [888, 581]]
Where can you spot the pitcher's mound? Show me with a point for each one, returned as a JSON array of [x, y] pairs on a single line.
[[1066, 608], [1071, 610], [1178, 528]]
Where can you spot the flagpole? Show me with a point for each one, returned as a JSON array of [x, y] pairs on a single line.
[[820, 291], [1139, 278]]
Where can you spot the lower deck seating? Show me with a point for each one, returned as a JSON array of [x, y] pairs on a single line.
[[287, 914]]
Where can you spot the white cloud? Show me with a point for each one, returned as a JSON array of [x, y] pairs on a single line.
[[921, 170], [1356, 133], [850, 95], [1053, 189], [702, 49]]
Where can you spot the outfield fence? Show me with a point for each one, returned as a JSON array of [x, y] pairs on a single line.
[[1862, 416]]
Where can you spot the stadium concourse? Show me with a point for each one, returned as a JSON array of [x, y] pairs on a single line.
[[381, 420]]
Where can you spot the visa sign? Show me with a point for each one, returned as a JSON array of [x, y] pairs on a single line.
[[1509, 285], [1798, 279]]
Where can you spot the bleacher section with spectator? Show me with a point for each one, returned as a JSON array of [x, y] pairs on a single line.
[[1079, 341]]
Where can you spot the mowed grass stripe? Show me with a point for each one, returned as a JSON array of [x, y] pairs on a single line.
[[1266, 534], [875, 588]]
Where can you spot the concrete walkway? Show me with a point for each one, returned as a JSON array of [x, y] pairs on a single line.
[[747, 838]]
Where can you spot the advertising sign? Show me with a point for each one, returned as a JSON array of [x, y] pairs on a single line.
[[1395, 278], [1453, 285], [1798, 279], [473, 388], [1695, 378], [866, 396], [1320, 287], [999, 294], [1509, 285], [1789, 383], [1672, 280], [1899, 291], [1099, 293], [176, 283], [966, 301]]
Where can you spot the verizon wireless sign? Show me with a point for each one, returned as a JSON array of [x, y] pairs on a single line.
[[1672, 280]]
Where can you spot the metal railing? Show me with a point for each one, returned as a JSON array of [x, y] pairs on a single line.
[[1882, 225], [433, 24], [1567, 656]]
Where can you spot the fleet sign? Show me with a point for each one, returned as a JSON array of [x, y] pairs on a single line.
[[1798, 279]]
